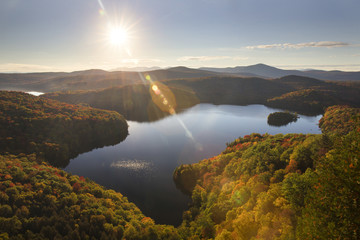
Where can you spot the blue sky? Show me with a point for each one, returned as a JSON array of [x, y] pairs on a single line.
[[67, 35]]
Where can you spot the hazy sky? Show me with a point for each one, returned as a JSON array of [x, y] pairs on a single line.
[[67, 35]]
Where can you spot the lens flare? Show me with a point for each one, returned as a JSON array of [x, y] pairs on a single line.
[[101, 4], [147, 77], [102, 12], [163, 97], [155, 89]]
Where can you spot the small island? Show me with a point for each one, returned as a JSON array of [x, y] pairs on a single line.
[[281, 118]]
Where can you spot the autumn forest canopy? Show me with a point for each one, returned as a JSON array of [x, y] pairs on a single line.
[[55, 131], [262, 186], [162, 120]]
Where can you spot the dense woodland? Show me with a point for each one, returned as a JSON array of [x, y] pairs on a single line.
[[55, 131], [134, 102], [39, 201], [300, 94], [291, 186]]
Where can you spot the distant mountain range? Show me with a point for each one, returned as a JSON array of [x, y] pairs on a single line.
[[93, 79], [265, 71], [99, 79]]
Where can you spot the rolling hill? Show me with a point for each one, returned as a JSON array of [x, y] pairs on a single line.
[[291, 186], [305, 95], [266, 71], [91, 79], [54, 130], [99, 79]]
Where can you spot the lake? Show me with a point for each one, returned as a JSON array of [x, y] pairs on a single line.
[[141, 166]]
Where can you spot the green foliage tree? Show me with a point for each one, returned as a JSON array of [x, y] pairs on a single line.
[[55, 131], [42, 203], [290, 186], [332, 208]]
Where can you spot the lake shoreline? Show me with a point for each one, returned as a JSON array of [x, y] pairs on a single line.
[[141, 167]]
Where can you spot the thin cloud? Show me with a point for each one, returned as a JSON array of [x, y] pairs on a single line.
[[19, 67], [209, 58], [322, 44], [202, 58], [141, 61], [343, 67]]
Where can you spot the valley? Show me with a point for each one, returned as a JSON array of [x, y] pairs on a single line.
[[222, 167]]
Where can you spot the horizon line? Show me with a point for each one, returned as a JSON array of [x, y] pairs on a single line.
[[299, 67]]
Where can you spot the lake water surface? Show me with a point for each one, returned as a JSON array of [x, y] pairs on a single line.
[[141, 167]]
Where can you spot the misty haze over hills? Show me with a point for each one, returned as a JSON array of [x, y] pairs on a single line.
[[262, 70], [99, 79]]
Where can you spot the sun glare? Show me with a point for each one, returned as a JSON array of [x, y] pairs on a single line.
[[118, 36]]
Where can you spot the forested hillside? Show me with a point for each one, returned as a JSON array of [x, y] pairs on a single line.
[[232, 90], [38, 201], [290, 186], [304, 95], [312, 96], [55, 131], [134, 102]]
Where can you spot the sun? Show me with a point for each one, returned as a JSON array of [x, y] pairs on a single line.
[[117, 36]]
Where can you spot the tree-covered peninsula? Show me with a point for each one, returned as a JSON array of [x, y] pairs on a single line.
[[291, 186], [40, 201], [55, 131]]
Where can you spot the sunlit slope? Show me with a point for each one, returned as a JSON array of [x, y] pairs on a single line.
[[290, 186], [312, 96], [56, 131], [38, 201]]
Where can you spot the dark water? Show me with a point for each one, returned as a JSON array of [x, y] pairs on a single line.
[[141, 167]]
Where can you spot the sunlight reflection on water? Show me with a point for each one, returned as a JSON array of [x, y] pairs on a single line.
[[134, 165], [141, 167]]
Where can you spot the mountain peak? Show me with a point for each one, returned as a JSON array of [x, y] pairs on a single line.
[[180, 68], [261, 66]]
